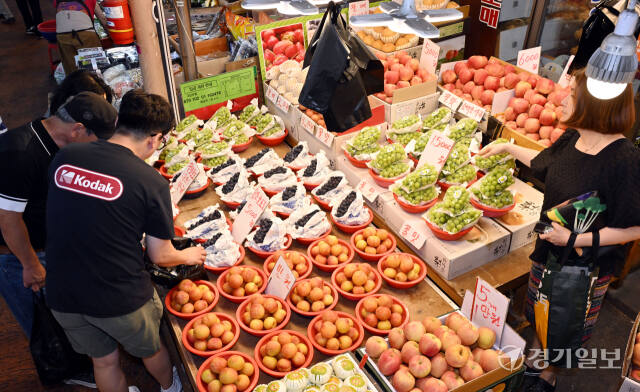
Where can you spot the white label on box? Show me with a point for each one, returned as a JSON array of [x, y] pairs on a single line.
[[529, 59], [489, 308], [283, 104], [450, 100], [359, 8], [280, 280], [272, 95], [324, 136], [565, 78], [410, 233], [368, 190], [437, 150], [307, 123], [429, 56], [188, 174], [250, 213], [472, 111], [501, 101]]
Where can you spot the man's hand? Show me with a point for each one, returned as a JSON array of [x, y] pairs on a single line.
[[33, 277], [559, 236], [194, 255]]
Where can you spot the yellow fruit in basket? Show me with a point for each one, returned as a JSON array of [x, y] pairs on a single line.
[[368, 40], [377, 44], [402, 41], [388, 47]]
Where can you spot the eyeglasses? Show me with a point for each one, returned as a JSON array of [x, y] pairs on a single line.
[[164, 140]]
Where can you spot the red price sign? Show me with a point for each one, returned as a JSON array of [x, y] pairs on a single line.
[[368, 190], [188, 174], [256, 203], [307, 124], [283, 104], [359, 8], [472, 111], [272, 95], [437, 150], [324, 136], [415, 237], [529, 59], [489, 308], [281, 280], [429, 56], [565, 78], [450, 100]]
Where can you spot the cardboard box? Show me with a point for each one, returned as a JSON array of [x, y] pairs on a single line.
[[212, 67], [423, 104], [515, 9], [510, 41], [526, 213], [628, 384], [520, 139], [208, 46]]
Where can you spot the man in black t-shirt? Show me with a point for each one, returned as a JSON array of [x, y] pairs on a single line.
[[102, 198], [25, 154]]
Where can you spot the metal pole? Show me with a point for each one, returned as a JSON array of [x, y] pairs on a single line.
[[188, 53], [165, 51]]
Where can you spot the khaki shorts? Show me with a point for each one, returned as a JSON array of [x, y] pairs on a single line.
[[138, 332]]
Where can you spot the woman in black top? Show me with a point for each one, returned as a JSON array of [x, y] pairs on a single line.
[[592, 155]]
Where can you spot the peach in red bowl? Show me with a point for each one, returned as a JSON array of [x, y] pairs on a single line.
[[190, 299], [334, 333], [228, 371], [355, 281], [261, 314], [372, 244], [299, 264], [210, 334], [402, 270], [379, 313], [281, 352], [238, 283], [330, 253], [311, 297]]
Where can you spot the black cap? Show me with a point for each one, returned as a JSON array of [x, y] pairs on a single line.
[[92, 111]]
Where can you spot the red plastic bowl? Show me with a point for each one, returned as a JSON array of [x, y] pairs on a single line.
[[269, 193], [384, 182], [293, 307], [262, 332], [307, 241], [414, 209], [329, 268], [414, 159], [217, 270], [243, 146], [322, 204], [273, 141], [490, 212], [355, 162], [205, 365], [178, 231], [197, 192], [350, 229], [273, 256], [263, 255], [376, 331], [310, 186], [311, 334], [268, 337], [163, 171], [446, 236], [235, 328], [403, 285], [186, 316], [232, 205], [370, 257], [222, 279], [283, 215], [351, 296]]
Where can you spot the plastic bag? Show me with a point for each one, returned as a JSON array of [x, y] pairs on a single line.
[[170, 277], [52, 353]]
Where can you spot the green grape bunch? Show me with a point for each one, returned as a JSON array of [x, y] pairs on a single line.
[[255, 120], [404, 138], [456, 199], [365, 142], [388, 155], [222, 116], [498, 200], [406, 121], [464, 174], [497, 180], [417, 197], [273, 130], [421, 143], [459, 156], [247, 113], [186, 122], [394, 170], [439, 116], [452, 224], [264, 122], [177, 167], [463, 128], [487, 163], [422, 177], [215, 161]]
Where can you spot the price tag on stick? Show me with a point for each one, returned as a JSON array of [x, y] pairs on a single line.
[[283, 104], [307, 124], [368, 190], [324, 136], [437, 150], [359, 8], [280, 280], [529, 59], [450, 100], [188, 174], [272, 95], [471, 110], [249, 215], [415, 237], [565, 78], [489, 308], [429, 56]]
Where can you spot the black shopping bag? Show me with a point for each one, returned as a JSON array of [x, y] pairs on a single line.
[[171, 276], [52, 353], [342, 73]]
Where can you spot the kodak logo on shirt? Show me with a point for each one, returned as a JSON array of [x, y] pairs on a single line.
[[87, 182]]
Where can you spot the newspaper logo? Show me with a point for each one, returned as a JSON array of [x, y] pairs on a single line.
[[87, 182]]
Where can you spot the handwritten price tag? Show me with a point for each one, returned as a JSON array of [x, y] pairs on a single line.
[[489, 308], [189, 173], [280, 280], [250, 213], [565, 78], [437, 150], [368, 190], [529, 59], [411, 234], [472, 111], [307, 124], [429, 56], [359, 8], [324, 136], [450, 100], [283, 104], [272, 95], [501, 101]]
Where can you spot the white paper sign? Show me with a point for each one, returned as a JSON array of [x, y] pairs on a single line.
[[529, 59], [565, 78], [280, 280], [429, 56], [489, 308], [450, 100], [324, 136], [501, 101], [437, 150], [307, 123], [256, 203], [368, 190], [272, 95], [415, 236], [188, 174], [283, 104], [359, 8], [471, 110]]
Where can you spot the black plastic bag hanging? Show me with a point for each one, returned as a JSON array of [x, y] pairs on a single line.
[[342, 73], [170, 277]]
